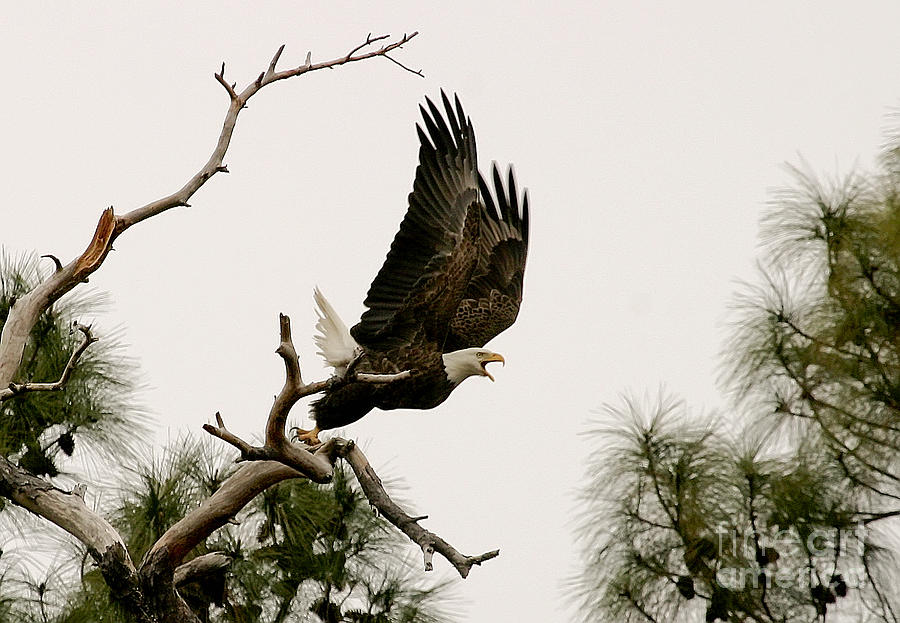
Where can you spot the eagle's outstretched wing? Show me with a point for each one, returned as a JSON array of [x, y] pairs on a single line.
[[431, 260], [491, 301]]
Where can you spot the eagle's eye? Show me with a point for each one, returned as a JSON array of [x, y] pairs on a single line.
[[479, 355]]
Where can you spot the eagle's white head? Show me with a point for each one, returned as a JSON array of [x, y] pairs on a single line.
[[461, 364]]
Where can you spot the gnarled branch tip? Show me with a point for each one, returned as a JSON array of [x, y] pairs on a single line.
[[55, 259]]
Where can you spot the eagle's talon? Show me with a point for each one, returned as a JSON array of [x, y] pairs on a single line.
[[309, 437]]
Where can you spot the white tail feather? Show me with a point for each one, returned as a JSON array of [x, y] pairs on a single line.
[[336, 346]]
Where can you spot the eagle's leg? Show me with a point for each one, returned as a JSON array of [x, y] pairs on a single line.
[[309, 437]]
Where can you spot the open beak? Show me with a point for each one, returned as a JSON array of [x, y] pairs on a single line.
[[487, 360]]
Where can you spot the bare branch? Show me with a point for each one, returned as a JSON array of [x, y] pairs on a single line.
[[351, 57], [275, 58], [428, 541], [369, 41], [238, 101], [271, 69], [55, 260], [201, 567], [418, 72], [15, 389], [216, 506], [227, 436], [68, 511], [99, 247], [236, 492], [25, 312], [293, 390], [220, 77], [317, 466]]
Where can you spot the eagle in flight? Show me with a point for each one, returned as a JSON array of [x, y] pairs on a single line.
[[451, 281]]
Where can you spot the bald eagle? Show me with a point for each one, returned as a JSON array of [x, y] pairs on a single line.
[[451, 281]]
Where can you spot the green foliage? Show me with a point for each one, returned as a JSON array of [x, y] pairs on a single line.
[[300, 551], [681, 519], [322, 550], [8, 598], [86, 602], [772, 518], [97, 408], [161, 490], [646, 511], [819, 344], [95, 417]]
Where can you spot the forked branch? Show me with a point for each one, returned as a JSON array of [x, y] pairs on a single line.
[[313, 465], [370, 483], [317, 462], [314, 462], [316, 465]]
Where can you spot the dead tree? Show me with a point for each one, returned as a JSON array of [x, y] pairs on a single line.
[[148, 589]]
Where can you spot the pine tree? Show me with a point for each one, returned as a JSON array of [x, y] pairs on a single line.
[[778, 511], [97, 409], [313, 551], [316, 552]]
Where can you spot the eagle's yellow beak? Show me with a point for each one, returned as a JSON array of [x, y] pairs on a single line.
[[490, 358]]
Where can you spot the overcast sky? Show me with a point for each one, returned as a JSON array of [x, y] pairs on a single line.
[[650, 136]]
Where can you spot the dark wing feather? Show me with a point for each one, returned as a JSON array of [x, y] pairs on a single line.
[[492, 299], [416, 292]]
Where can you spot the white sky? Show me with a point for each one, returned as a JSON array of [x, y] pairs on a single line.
[[649, 135]]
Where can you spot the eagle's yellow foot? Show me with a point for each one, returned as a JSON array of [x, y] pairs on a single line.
[[309, 437]]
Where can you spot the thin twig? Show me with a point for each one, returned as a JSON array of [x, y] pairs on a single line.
[[55, 260], [227, 436], [270, 71], [369, 41], [220, 77], [15, 389], [418, 72]]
